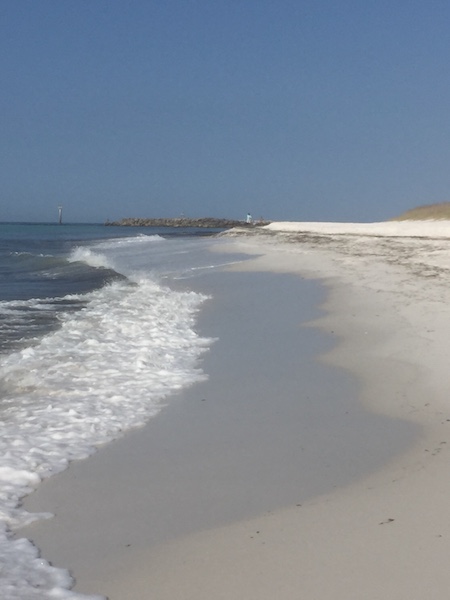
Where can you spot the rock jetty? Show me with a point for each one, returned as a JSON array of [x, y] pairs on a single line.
[[205, 222]]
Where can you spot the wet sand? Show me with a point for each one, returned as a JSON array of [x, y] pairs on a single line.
[[364, 514], [271, 429]]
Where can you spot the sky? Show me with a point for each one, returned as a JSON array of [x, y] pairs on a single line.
[[302, 110]]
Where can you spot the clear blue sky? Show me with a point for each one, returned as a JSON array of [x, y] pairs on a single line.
[[329, 110]]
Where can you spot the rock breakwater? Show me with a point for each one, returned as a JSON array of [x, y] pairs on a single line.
[[206, 222]]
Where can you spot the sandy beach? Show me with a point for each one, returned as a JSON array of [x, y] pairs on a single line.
[[370, 520]]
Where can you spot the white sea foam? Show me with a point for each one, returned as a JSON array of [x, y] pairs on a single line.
[[130, 242], [93, 259], [107, 369]]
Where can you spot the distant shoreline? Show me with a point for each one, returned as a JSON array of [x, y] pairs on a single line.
[[206, 222]]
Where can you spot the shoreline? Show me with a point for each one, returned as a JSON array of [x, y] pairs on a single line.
[[381, 535], [386, 535], [263, 433]]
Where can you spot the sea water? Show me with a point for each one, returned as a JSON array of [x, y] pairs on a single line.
[[94, 337]]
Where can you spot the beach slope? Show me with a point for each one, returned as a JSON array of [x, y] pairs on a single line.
[[387, 535], [383, 533]]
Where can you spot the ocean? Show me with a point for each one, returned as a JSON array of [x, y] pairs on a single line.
[[97, 329]]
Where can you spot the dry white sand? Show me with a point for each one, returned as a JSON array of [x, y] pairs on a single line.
[[385, 535], [388, 535]]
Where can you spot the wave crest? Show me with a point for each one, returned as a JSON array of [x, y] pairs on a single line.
[[93, 259]]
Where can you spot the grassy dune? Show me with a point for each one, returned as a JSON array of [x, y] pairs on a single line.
[[426, 212]]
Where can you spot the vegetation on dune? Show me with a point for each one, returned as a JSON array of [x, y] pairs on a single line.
[[426, 212]]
